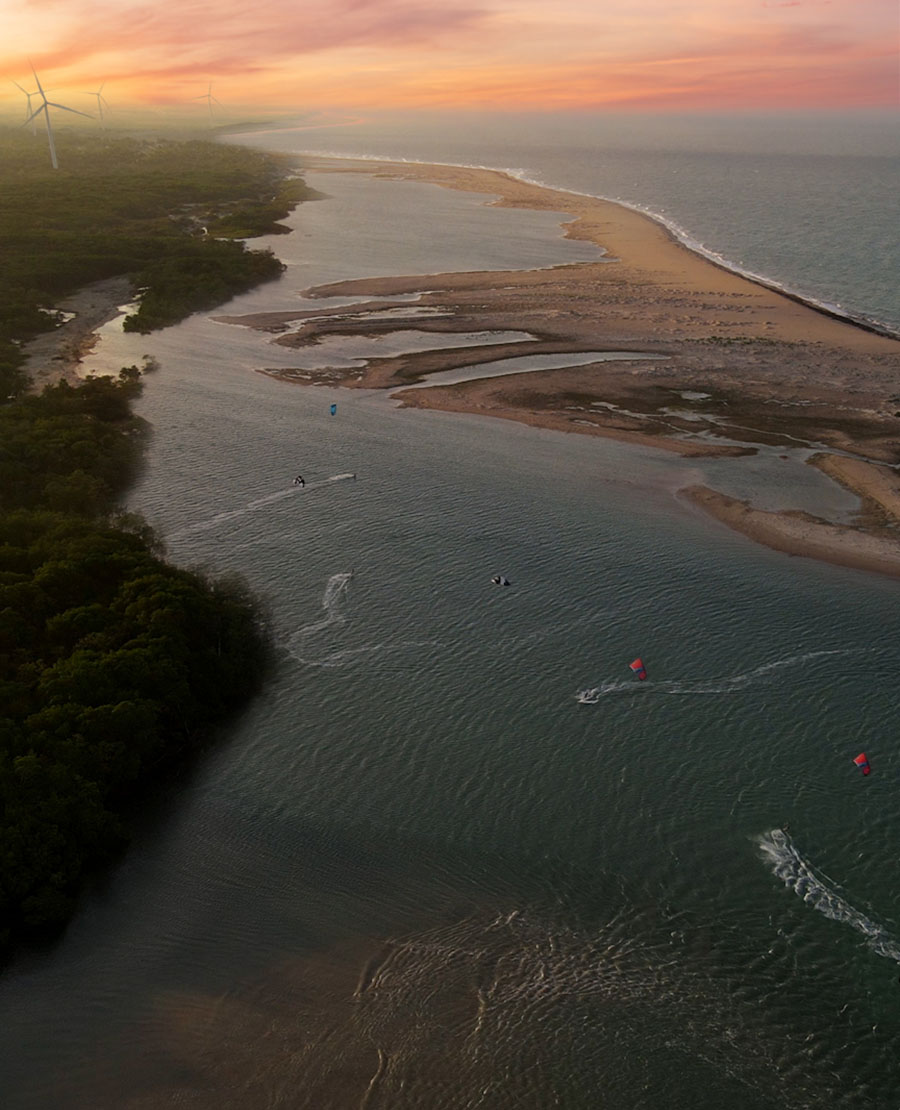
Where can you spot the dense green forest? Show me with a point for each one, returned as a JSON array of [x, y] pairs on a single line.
[[114, 665], [165, 213]]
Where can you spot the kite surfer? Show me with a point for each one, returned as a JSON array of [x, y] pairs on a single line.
[[298, 481], [862, 762]]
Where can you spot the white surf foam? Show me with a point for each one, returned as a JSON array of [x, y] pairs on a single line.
[[823, 894], [724, 685]]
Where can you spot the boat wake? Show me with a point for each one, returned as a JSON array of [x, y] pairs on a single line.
[[333, 602], [305, 644], [256, 505], [780, 853], [724, 685]]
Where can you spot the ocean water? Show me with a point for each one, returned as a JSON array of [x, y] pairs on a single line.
[[809, 201], [456, 855]]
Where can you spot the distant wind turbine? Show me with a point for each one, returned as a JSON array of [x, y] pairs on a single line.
[[210, 99], [45, 108], [28, 105], [101, 100]]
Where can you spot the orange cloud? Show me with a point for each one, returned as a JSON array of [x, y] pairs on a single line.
[[382, 53]]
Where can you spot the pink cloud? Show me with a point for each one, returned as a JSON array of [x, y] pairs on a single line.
[[360, 53], [258, 31]]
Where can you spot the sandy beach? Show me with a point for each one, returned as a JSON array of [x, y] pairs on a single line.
[[736, 364], [732, 364]]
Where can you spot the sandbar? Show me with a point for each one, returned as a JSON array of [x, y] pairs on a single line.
[[737, 364], [732, 364]]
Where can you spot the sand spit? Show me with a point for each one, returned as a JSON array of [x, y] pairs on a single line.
[[735, 364], [742, 364], [798, 533]]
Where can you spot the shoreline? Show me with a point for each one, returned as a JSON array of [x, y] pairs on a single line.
[[735, 362], [683, 240], [674, 231], [55, 356], [742, 360]]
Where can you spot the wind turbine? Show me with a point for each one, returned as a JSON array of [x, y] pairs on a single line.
[[28, 106], [101, 100], [210, 99], [45, 108]]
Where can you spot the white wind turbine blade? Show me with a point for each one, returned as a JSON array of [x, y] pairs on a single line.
[[45, 108], [38, 80], [210, 100], [33, 115], [53, 104]]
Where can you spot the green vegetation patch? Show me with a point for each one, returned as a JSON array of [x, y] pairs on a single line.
[[114, 665], [164, 213]]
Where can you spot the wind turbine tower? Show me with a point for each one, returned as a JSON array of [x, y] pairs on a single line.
[[29, 95], [101, 100], [45, 108], [210, 100]]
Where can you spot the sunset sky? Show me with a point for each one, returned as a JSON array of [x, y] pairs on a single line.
[[370, 54]]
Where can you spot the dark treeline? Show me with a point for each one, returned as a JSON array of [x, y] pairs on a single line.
[[164, 213], [114, 665]]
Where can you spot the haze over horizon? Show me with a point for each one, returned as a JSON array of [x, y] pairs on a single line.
[[651, 55]]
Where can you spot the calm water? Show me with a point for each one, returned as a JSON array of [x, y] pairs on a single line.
[[455, 856]]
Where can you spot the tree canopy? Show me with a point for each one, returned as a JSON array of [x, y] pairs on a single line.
[[167, 214], [113, 664]]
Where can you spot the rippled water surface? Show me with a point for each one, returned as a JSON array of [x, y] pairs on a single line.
[[455, 855]]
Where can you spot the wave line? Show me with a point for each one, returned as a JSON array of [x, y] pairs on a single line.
[[724, 685], [786, 863]]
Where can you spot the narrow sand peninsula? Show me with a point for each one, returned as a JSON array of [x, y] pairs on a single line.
[[736, 364], [798, 533]]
